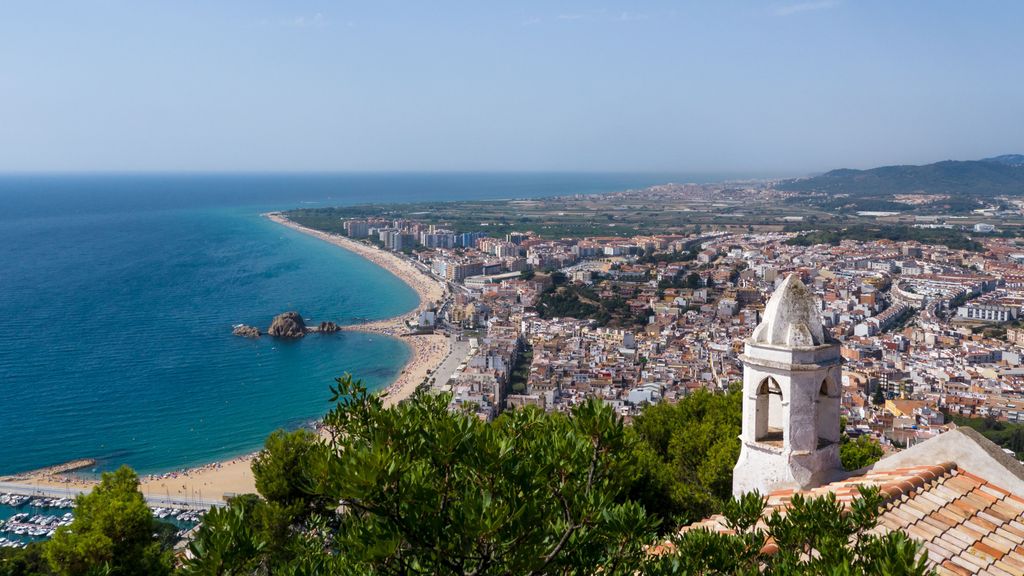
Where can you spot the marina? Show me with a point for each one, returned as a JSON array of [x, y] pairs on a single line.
[[36, 518]]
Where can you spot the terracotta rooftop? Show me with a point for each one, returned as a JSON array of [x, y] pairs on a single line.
[[967, 524]]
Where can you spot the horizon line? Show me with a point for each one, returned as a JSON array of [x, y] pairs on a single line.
[[145, 172]]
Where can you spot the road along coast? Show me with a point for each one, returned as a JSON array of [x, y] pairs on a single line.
[[211, 483]]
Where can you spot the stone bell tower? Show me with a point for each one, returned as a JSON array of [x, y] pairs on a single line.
[[791, 397]]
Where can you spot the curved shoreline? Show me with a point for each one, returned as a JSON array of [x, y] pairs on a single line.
[[427, 351], [214, 481]]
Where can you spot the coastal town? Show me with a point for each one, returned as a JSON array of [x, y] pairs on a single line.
[[930, 334], [524, 288]]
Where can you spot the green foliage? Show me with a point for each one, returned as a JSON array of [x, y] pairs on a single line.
[[569, 302], [521, 371], [278, 469], [856, 454], [959, 179], [668, 257], [29, 561], [418, 489], [112, 533], [686, 452], [879, 396], [815, 536], [230, 542], [582, 302], [867, 233]]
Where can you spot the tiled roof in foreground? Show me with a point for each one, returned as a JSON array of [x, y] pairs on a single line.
[[968, 525]]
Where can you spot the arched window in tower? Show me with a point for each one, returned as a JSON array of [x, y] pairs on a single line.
[[768, 427], [828, 415]]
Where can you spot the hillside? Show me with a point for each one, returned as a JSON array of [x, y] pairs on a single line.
[[975, 178], [947, 187], [1007, 159]]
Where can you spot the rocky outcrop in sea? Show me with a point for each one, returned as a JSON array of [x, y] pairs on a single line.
[[287, 325], [328, 328], [246, 331]]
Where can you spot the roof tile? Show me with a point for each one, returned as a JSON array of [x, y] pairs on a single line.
[[985, 552], [1008, 567], [959, 538], [964, 507], [996, 571], [961, 483], [980, 498], [981, 524], [1012, 562], [936, 552], [993, 490], [999, 543], [951, 568], [968, 562], [921, 531], [987, 516], [966, 524], [1005, 539]]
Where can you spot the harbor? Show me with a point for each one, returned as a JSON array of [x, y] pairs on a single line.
[[26, 518]]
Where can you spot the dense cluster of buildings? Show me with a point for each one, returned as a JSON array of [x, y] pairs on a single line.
[[924, 331]]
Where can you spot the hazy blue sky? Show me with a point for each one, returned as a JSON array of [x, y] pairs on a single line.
[[788, 86]]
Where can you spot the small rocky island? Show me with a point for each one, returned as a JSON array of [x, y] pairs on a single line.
[[246, 331], [286, 325], [327, 328]]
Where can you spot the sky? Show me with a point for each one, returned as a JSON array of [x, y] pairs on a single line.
[[786, 87]]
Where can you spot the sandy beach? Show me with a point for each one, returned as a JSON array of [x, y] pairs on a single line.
[[215, 481], [428, 350]]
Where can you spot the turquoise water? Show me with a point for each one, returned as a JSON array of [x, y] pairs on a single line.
[[118, 293]]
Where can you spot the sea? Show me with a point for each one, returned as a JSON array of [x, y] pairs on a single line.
[[118, 293]]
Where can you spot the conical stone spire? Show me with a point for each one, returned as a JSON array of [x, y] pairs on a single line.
[[791, 317]]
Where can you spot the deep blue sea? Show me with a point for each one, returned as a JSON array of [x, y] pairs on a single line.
[[118, 294]]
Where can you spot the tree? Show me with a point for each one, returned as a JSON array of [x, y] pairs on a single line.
[[231, 541], [856, 454], [685, 456], [418, 488], [28, 561], [279, 467], [112, 533], [879, 397]]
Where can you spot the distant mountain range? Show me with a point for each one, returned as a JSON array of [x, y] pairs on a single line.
[[1007, 159], [966, 183]]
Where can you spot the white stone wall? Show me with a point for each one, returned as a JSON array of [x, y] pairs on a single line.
[[791, 349], [807, 418]]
